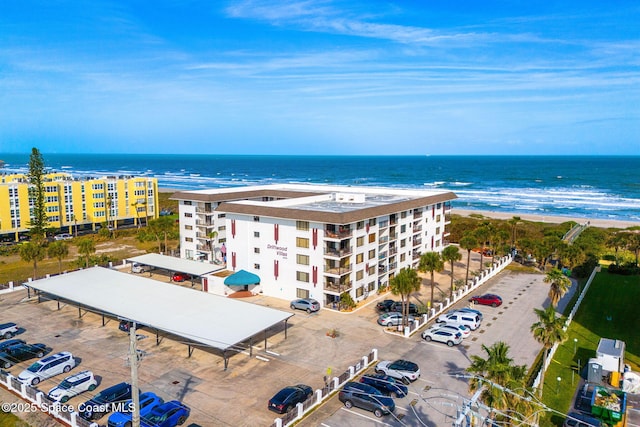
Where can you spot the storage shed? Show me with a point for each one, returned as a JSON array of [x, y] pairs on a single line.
[[610, 354]]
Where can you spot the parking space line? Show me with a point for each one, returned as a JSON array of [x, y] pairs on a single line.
[[440, 346], [369, 418]]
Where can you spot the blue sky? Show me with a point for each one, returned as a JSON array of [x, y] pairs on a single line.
[[320, 77]]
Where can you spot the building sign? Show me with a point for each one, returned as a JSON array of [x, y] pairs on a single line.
[[281, 251]]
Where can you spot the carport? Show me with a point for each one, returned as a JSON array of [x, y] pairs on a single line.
[[202, 318], [176, 265]]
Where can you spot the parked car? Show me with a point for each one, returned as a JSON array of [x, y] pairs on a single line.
[[103, 402], [20, 352], [289, 397], [385, 305], [169, 414], [446, 336], [181, 277], [471, 320], [63, 236], [392, 319], [72, 386], [147, 402], [48, 367], [401, 369], [577, 419], [8, 330], [366, 397], [386, 384], [487, 299], [125, 326], [454, 327], [307, 304], [140, 268], [9, 343], [397, 306], [467, 310]]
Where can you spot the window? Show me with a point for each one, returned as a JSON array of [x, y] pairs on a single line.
[[256, 218], [372, 286], [359, 291], [437, 231], [359, 258], [302, 276], [372, 237], [403, 228], [359, 274], [403, 214], [256, 266], [372, 270], [359, 225], [302, 242], [187, 202], [256, 234], [188, 239], [372, 254], [188, 215], [360, 241], [372, 222], [437, 243], [403, 243], [302, 293], [302, 225], [302, 259], [188, 227], [438, 217], [403, 257], [256, 250]]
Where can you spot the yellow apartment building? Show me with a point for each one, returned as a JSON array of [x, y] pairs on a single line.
[[75, 204]]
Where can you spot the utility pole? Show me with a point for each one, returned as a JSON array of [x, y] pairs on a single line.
[[467, 408], [133, 363]]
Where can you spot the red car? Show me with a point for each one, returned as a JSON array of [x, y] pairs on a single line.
[[180, 277], [487, 299]]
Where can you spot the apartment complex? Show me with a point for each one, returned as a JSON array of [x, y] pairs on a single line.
[[313, 241], [75, 203]]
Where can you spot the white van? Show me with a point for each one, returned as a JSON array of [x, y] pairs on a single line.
[[471, 320], [47, 368]]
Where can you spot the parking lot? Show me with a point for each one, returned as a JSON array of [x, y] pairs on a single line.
[[239, 395]]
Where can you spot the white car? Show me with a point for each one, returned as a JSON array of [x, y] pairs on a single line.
[[139, 268], [471, 320], [72, 386], [454, 327], [63, 236], [47, 368], [393, 318], [447, 336], [402, 370]]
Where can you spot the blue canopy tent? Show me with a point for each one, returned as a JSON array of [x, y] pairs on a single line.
[[242, 278]]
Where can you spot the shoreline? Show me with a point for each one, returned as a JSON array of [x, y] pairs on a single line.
[[552, 219]]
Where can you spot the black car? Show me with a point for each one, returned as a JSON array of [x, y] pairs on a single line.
[[103, 402], [9, 343], [366, 397], [386, 384], [289, 397], [125, 326], [21, 352], [385, 305], [397, 306]]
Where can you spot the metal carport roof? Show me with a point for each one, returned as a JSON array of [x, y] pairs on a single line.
[[195, 268], [203, 318]]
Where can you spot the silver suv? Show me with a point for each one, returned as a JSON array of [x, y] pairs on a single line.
[[48, 367]]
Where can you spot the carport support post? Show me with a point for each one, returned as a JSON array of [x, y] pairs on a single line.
[[251, 347], [102, 319], [226, 359], [285, 328], [79, 312], [59, 305], [190, 349]]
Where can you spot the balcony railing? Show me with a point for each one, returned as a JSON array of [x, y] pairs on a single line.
[[416, 256], [383, 224], [338, 270], [338, 234], [204, 210], [207, 222], [383, 239], [417, 242], [338, 253], [417, 229], [382, 269], [393, 236], [417, 215], [393, 251], [382, 255], [337, 287]]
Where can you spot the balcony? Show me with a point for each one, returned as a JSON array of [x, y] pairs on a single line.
[[393, 236], [338, 287], [204, 223], [383, 224], [383, 239], [415, 255], [382, 269], [338, 234], [338, 253], [417, 241], [338, 270], [382, 255], [201, 210], [393, 251], [417, 214], [417, 228]]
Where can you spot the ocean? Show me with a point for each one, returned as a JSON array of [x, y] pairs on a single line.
[[604, 187]]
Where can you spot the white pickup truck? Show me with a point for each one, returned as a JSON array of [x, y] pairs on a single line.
[[7, 330]]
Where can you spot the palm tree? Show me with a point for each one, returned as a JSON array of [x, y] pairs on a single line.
[[32, 252], [482, 235], [60, 250], [617, 241], [212, 238], [560, 284], [498, 369], [468, 242], [548, 330], [452, 254], [431, 262], [404, 284], [514, 227], [160, 227], [86, 247]]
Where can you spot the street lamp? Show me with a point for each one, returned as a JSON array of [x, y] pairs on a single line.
[[575, 345], [558, 384]]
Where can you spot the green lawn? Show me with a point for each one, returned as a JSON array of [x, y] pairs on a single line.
[[10, 420], [610, 310]]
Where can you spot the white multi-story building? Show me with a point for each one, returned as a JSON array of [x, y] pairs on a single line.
[[313, 241]]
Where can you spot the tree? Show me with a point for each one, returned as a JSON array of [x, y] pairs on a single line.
[[161, 227], [468, 242], [617, 241], [634, 245], [38, 222], [32, 251], [548, 330], [560, 284], [452, 254], [482, 235], [212, 238], [513, 222], [86, 247], [497, 373], [431, 262], [60, 250], [404, 284]]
